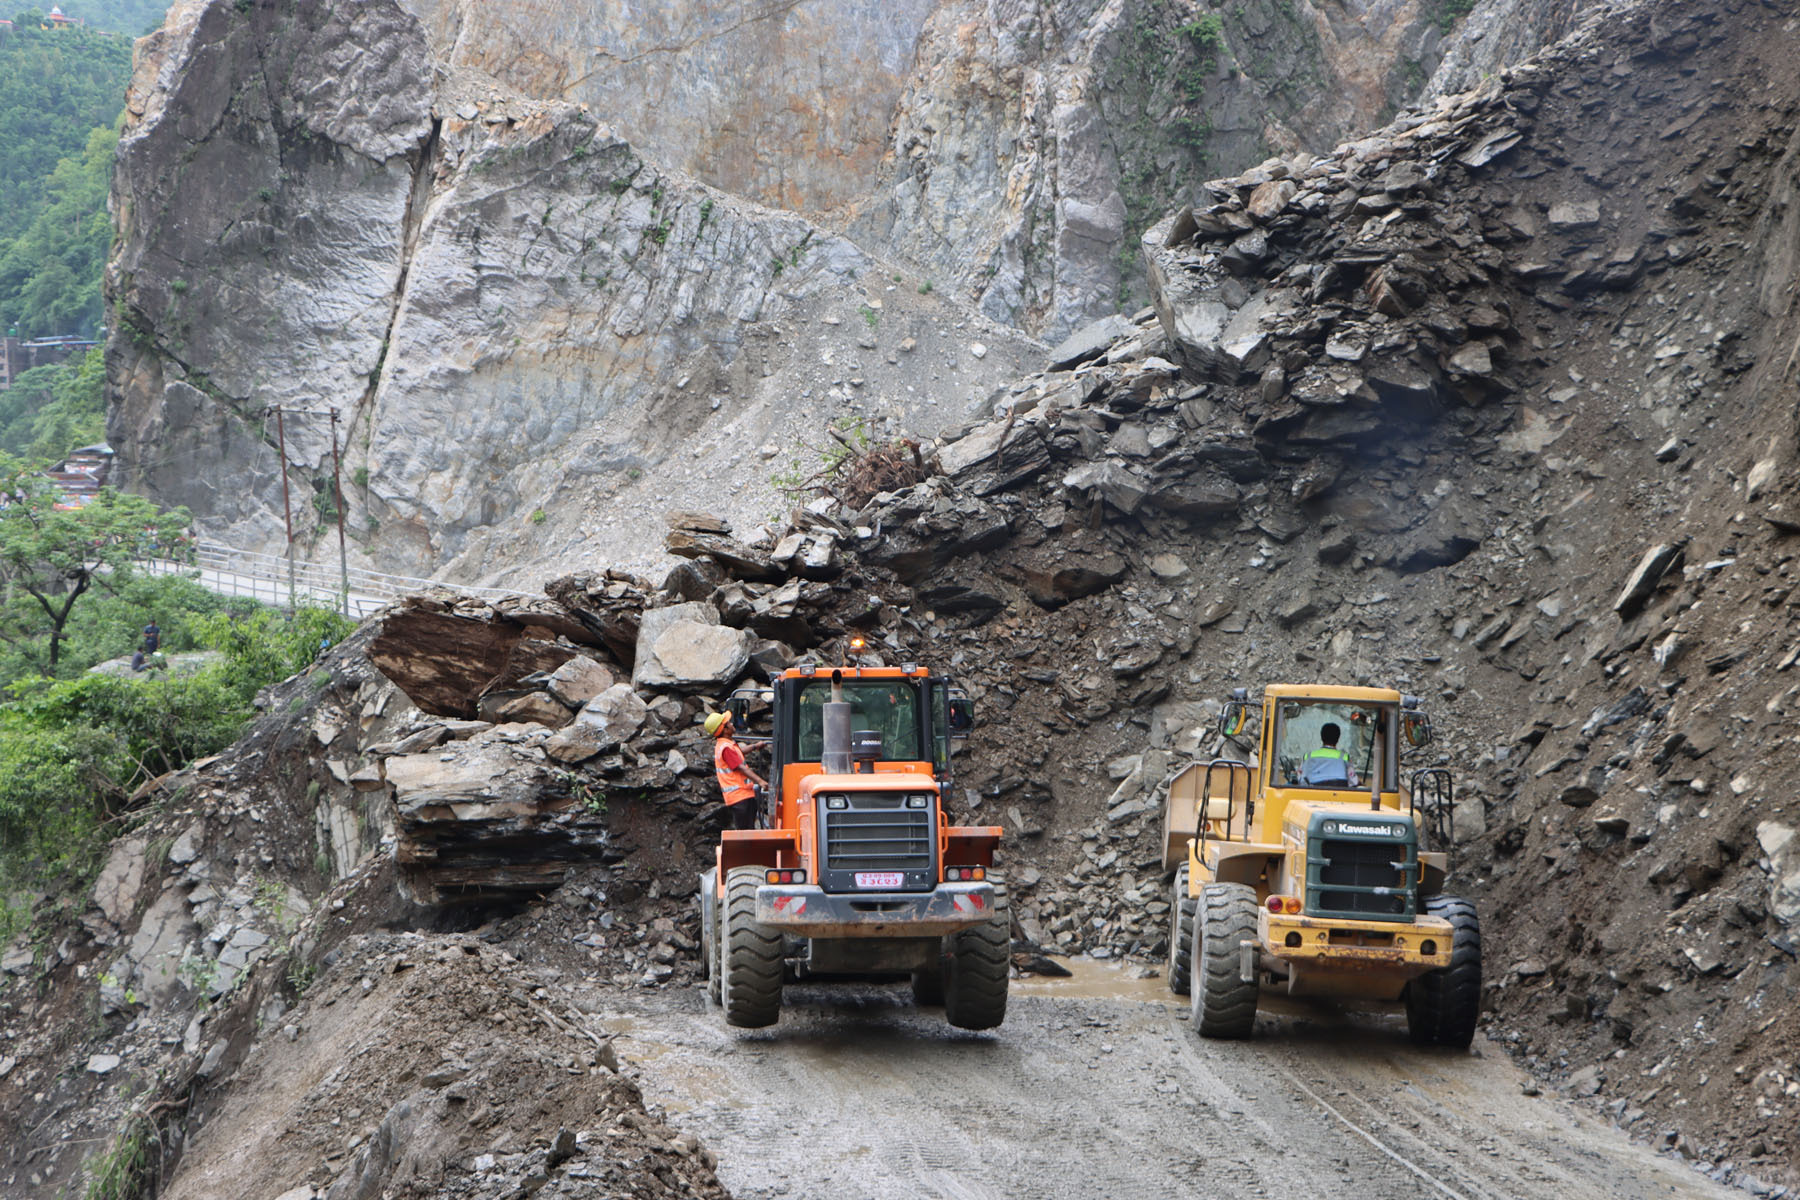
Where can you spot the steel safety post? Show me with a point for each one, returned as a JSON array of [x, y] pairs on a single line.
[[287, 516], [337, 489]]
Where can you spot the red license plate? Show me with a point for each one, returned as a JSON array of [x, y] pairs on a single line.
[[879, 879]]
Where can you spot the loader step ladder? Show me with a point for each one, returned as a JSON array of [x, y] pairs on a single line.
[[1432, 794]]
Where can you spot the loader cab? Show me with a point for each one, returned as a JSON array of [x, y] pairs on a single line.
[[1332, 744], [904, 719], [1293, 747]]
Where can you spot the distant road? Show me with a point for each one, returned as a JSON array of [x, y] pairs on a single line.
[[265, 577]]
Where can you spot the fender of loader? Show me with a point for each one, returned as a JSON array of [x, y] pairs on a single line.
[[971, 845], [757, 848]]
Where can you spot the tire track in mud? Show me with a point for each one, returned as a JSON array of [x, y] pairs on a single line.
[[857, 1094]]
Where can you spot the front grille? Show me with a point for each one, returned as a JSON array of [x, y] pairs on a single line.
[[879, 833], [1364, 878]]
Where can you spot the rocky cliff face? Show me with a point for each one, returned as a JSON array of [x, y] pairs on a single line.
[[1008, 152], [521, 253], [508, 308]]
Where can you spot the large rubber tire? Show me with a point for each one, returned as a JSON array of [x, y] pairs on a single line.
[[750, 987], [980, 965], [1181, 934], [709, 936], [1442, 1006], [1223, 1004]]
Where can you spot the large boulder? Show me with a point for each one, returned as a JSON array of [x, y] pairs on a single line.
[[614, 716], [684, 646], [580, 680]]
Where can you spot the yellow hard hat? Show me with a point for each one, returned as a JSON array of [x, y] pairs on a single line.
[[716, 721]]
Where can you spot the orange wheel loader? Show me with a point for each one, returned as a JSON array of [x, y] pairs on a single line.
[[856, 871]]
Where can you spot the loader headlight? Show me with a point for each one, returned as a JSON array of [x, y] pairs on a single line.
[[836, 802], [918, 801]]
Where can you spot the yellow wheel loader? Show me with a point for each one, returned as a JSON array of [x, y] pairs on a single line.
[[1312, 869]]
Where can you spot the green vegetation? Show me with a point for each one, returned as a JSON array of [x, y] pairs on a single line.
[[73, 750], [1448, 12], [50, 558], [126, 1166], [49, 411], [133, 18], [50, 270], [61, 91], [75, 745], [56, 86]]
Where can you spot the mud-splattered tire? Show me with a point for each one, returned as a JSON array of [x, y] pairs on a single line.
[[1442, 1005], [980, 964], [750, 987], [1223, 1004], [1181, 933]]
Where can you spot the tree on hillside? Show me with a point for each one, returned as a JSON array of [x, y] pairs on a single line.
[[52, 410], [50, 556], [56, 86], [50, 273], [134, 18]]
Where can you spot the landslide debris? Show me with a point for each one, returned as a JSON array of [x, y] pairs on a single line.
[[234, 967], [1514, 435]]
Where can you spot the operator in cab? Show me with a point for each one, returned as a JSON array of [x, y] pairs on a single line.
[[738, 784], [1328, 766]]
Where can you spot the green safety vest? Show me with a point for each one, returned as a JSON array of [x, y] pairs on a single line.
[[1332, 753]]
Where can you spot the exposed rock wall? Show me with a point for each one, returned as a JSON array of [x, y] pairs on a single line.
[[507, 307], [412, 213], [990, 146]]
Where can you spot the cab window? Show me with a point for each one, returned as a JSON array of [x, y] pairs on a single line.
[[890, 707], [1331, 744]]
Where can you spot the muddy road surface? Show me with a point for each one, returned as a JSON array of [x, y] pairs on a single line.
[[1094, 1088]]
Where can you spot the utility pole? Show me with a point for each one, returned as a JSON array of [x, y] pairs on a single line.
[[337, 488], [287, 516]]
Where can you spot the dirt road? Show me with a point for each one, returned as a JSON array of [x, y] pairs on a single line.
[[1095, 1088]]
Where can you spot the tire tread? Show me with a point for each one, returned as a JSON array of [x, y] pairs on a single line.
[[753, 961], [979, 968], [1181, 933], [1443, 1006], [1223, 1005]]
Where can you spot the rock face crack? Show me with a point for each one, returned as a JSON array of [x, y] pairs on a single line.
[[416, 203]]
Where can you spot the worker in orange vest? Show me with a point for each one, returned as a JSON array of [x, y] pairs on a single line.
[[737, 781]]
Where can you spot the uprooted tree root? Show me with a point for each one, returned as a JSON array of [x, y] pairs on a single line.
[[855, 469]]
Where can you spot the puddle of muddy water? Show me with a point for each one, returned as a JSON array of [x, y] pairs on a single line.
[[1094, 979]]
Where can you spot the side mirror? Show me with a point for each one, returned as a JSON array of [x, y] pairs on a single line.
[[961, 715], [1234, 718], [1416, 727], [739, 708]]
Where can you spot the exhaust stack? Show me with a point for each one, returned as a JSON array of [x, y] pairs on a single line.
[[836, 759]]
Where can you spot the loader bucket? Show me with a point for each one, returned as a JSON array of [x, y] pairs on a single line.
[[1224, 785]]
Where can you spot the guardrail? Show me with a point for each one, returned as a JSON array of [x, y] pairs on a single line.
[[266, 577]]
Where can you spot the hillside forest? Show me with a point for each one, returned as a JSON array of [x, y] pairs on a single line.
[[72, 597], [61, 92]]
